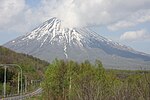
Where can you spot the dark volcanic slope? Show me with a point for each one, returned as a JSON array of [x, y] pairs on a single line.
[[50, 40]]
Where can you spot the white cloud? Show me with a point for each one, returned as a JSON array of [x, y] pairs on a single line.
[[18, 16], [135, 35], [136, 18], [9, 9], [92, 12], [76, 13], [121, 25]]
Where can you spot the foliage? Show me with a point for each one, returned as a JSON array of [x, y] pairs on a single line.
[[68, 80]]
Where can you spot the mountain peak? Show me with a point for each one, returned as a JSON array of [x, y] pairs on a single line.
[[52, 32], [51, 27]]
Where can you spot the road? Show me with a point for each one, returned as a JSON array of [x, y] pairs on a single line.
[[25, 96]]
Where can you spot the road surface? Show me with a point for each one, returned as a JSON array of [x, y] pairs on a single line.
[[25, 96]]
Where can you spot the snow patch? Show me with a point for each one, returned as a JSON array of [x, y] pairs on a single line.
[[65, 51], [13, 41], [43, 41]]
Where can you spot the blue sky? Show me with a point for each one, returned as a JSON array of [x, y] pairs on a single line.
[[126, 22], [33, 3]]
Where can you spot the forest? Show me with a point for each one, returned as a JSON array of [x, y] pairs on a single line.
[[69, 80]]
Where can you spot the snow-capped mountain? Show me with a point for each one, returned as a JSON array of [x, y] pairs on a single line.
[[51, 40]]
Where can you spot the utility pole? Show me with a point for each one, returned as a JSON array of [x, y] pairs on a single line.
[[26, 83], [5, 70], [21, 81], [18, 82]]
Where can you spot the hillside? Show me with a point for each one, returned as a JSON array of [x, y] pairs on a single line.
[[33, 68], [29, 64]]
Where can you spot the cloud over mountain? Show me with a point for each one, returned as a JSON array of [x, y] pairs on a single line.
[[73, 13]]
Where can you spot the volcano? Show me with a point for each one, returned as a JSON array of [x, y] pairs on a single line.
[[51, 40]]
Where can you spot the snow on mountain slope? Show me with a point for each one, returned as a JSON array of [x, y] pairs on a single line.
[[50, 40]]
